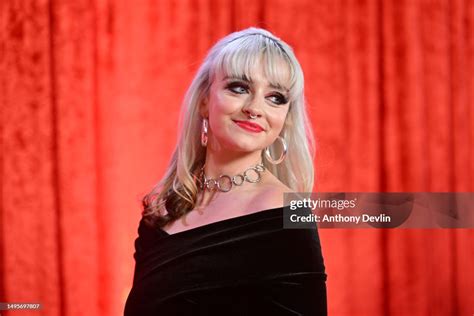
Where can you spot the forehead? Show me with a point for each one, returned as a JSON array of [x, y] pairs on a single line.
[[274, 70], [280, 78]]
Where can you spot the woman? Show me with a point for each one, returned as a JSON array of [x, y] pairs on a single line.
[[211, 240]]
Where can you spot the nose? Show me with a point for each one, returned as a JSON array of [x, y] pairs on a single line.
[[253, 108]]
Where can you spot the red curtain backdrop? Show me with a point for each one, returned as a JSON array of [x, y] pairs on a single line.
[[89, 102]]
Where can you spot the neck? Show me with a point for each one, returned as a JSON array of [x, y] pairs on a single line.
[[229, 163]]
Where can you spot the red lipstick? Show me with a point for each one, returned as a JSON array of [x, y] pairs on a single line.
[[249, 126]]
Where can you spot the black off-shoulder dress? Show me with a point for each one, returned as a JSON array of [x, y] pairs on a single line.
[[247, 265]]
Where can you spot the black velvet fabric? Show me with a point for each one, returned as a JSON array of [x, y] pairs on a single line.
[[247, 265]]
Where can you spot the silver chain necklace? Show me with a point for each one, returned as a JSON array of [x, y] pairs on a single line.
[[224, 183]]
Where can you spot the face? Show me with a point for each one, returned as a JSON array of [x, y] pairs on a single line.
[[246, 114]]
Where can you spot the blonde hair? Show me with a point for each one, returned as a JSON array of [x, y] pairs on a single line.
[[236, 54]]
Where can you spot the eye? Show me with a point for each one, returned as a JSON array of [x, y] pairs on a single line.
[[278, 99], [237, 87]]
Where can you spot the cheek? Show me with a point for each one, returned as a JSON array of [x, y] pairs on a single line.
[[221, 110], [223, 104], [277, 120]]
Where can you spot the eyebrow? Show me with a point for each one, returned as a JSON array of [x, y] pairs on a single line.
[[249, 80]]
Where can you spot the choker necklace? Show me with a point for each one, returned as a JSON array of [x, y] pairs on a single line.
[[224, 183]]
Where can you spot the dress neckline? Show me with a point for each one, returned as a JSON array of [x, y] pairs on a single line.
[[216, 224]]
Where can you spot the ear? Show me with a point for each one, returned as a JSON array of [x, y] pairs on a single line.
[[204, 107]]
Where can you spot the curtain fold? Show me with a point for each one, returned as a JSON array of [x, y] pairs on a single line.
[[90, 93]]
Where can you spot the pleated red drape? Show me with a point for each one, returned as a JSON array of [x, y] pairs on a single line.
[[89, 101]]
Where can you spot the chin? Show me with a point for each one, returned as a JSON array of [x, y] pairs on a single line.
[[236, 142], [243, 146]]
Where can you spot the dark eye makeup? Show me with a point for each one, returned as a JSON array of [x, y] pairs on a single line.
[[240, 87], [279, 99], [237, 87]]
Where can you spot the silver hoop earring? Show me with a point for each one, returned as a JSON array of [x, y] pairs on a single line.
[[204, 128], [283, 153]]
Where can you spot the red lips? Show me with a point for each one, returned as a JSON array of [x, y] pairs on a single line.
[[249, 126]]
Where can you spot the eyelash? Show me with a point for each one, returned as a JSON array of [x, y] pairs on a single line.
[[233, 85]]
